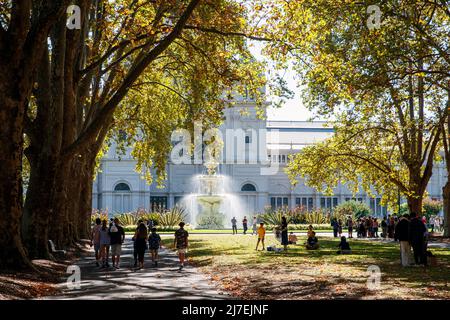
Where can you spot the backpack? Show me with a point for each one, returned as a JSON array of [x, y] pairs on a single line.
[[113, 228], [153, 241]]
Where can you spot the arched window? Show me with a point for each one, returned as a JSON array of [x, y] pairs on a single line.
[[248, 187], [122, 187]]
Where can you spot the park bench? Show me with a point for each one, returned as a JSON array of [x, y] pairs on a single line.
[[58, 253]]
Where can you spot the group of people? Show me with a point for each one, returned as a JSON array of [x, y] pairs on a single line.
[[245, 225], [109, 237], [412, 232]]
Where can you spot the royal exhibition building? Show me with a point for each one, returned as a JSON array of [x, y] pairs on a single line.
[[254, 168]]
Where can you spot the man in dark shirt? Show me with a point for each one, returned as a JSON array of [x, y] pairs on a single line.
[[417, 231], [401, 234], [117, 235], [181, 243]]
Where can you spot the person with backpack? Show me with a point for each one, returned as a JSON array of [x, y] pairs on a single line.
[[117, 236], [95, 240], [154, 244], [140, 237], [181, 243]]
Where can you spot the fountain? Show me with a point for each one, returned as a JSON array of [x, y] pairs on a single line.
[[213, 205]]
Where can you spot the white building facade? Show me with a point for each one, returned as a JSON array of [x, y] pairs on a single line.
[[255, 166]]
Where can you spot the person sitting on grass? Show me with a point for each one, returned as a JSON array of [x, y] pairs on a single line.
[[261, 236], [293, 238], [344, 246], [312, 243]]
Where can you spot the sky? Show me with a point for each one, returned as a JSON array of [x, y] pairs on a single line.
[[293, 109]]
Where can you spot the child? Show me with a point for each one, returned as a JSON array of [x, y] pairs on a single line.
[[154, 243], [292, 238], [312, 243], [344, 247], [261, 235]]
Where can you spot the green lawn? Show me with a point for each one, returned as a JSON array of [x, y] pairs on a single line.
[[229, 231], [233, 262]]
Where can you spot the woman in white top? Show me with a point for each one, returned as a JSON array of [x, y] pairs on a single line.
[[105, 241]]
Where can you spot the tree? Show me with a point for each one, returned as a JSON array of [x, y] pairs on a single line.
[[384, 88], [24, 26], [144, 67]]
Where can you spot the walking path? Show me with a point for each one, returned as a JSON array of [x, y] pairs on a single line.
[[163, 282]]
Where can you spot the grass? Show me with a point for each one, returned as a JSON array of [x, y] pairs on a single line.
[[229, 231], [300, 274]]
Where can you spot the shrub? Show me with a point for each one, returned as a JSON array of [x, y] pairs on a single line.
[[103, 215], [170, 219], [352, 208], [273, 217], [431, 207], [127, 219], [316, 217]]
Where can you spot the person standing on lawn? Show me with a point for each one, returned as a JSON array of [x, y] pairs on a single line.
[[335, 226], [154, 244], [350, 227], [401, 234], [284, 233], [117, 235], [417, 231], [234, 225], [384, 228], [244, 224], [95, 240], [181, 243], [340, 227], [261, 236], [255, 221]]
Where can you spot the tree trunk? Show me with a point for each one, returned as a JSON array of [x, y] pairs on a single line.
[[446, 196], [12, 253], [415, 204], [38, 213]]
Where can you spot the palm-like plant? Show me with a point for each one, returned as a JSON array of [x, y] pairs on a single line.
[[170, 219]]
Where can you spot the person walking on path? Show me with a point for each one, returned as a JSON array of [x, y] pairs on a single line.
[[154, 244], [244, 224], [95, 240], [401, 234], [417, 231], [234, 225], [261, 236], [140, 237], [105, 241], [254, 227], [284, 233], [117, 236], [135, 253], [181, 243]]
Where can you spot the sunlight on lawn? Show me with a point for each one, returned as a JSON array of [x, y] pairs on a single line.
[[301, 274]]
